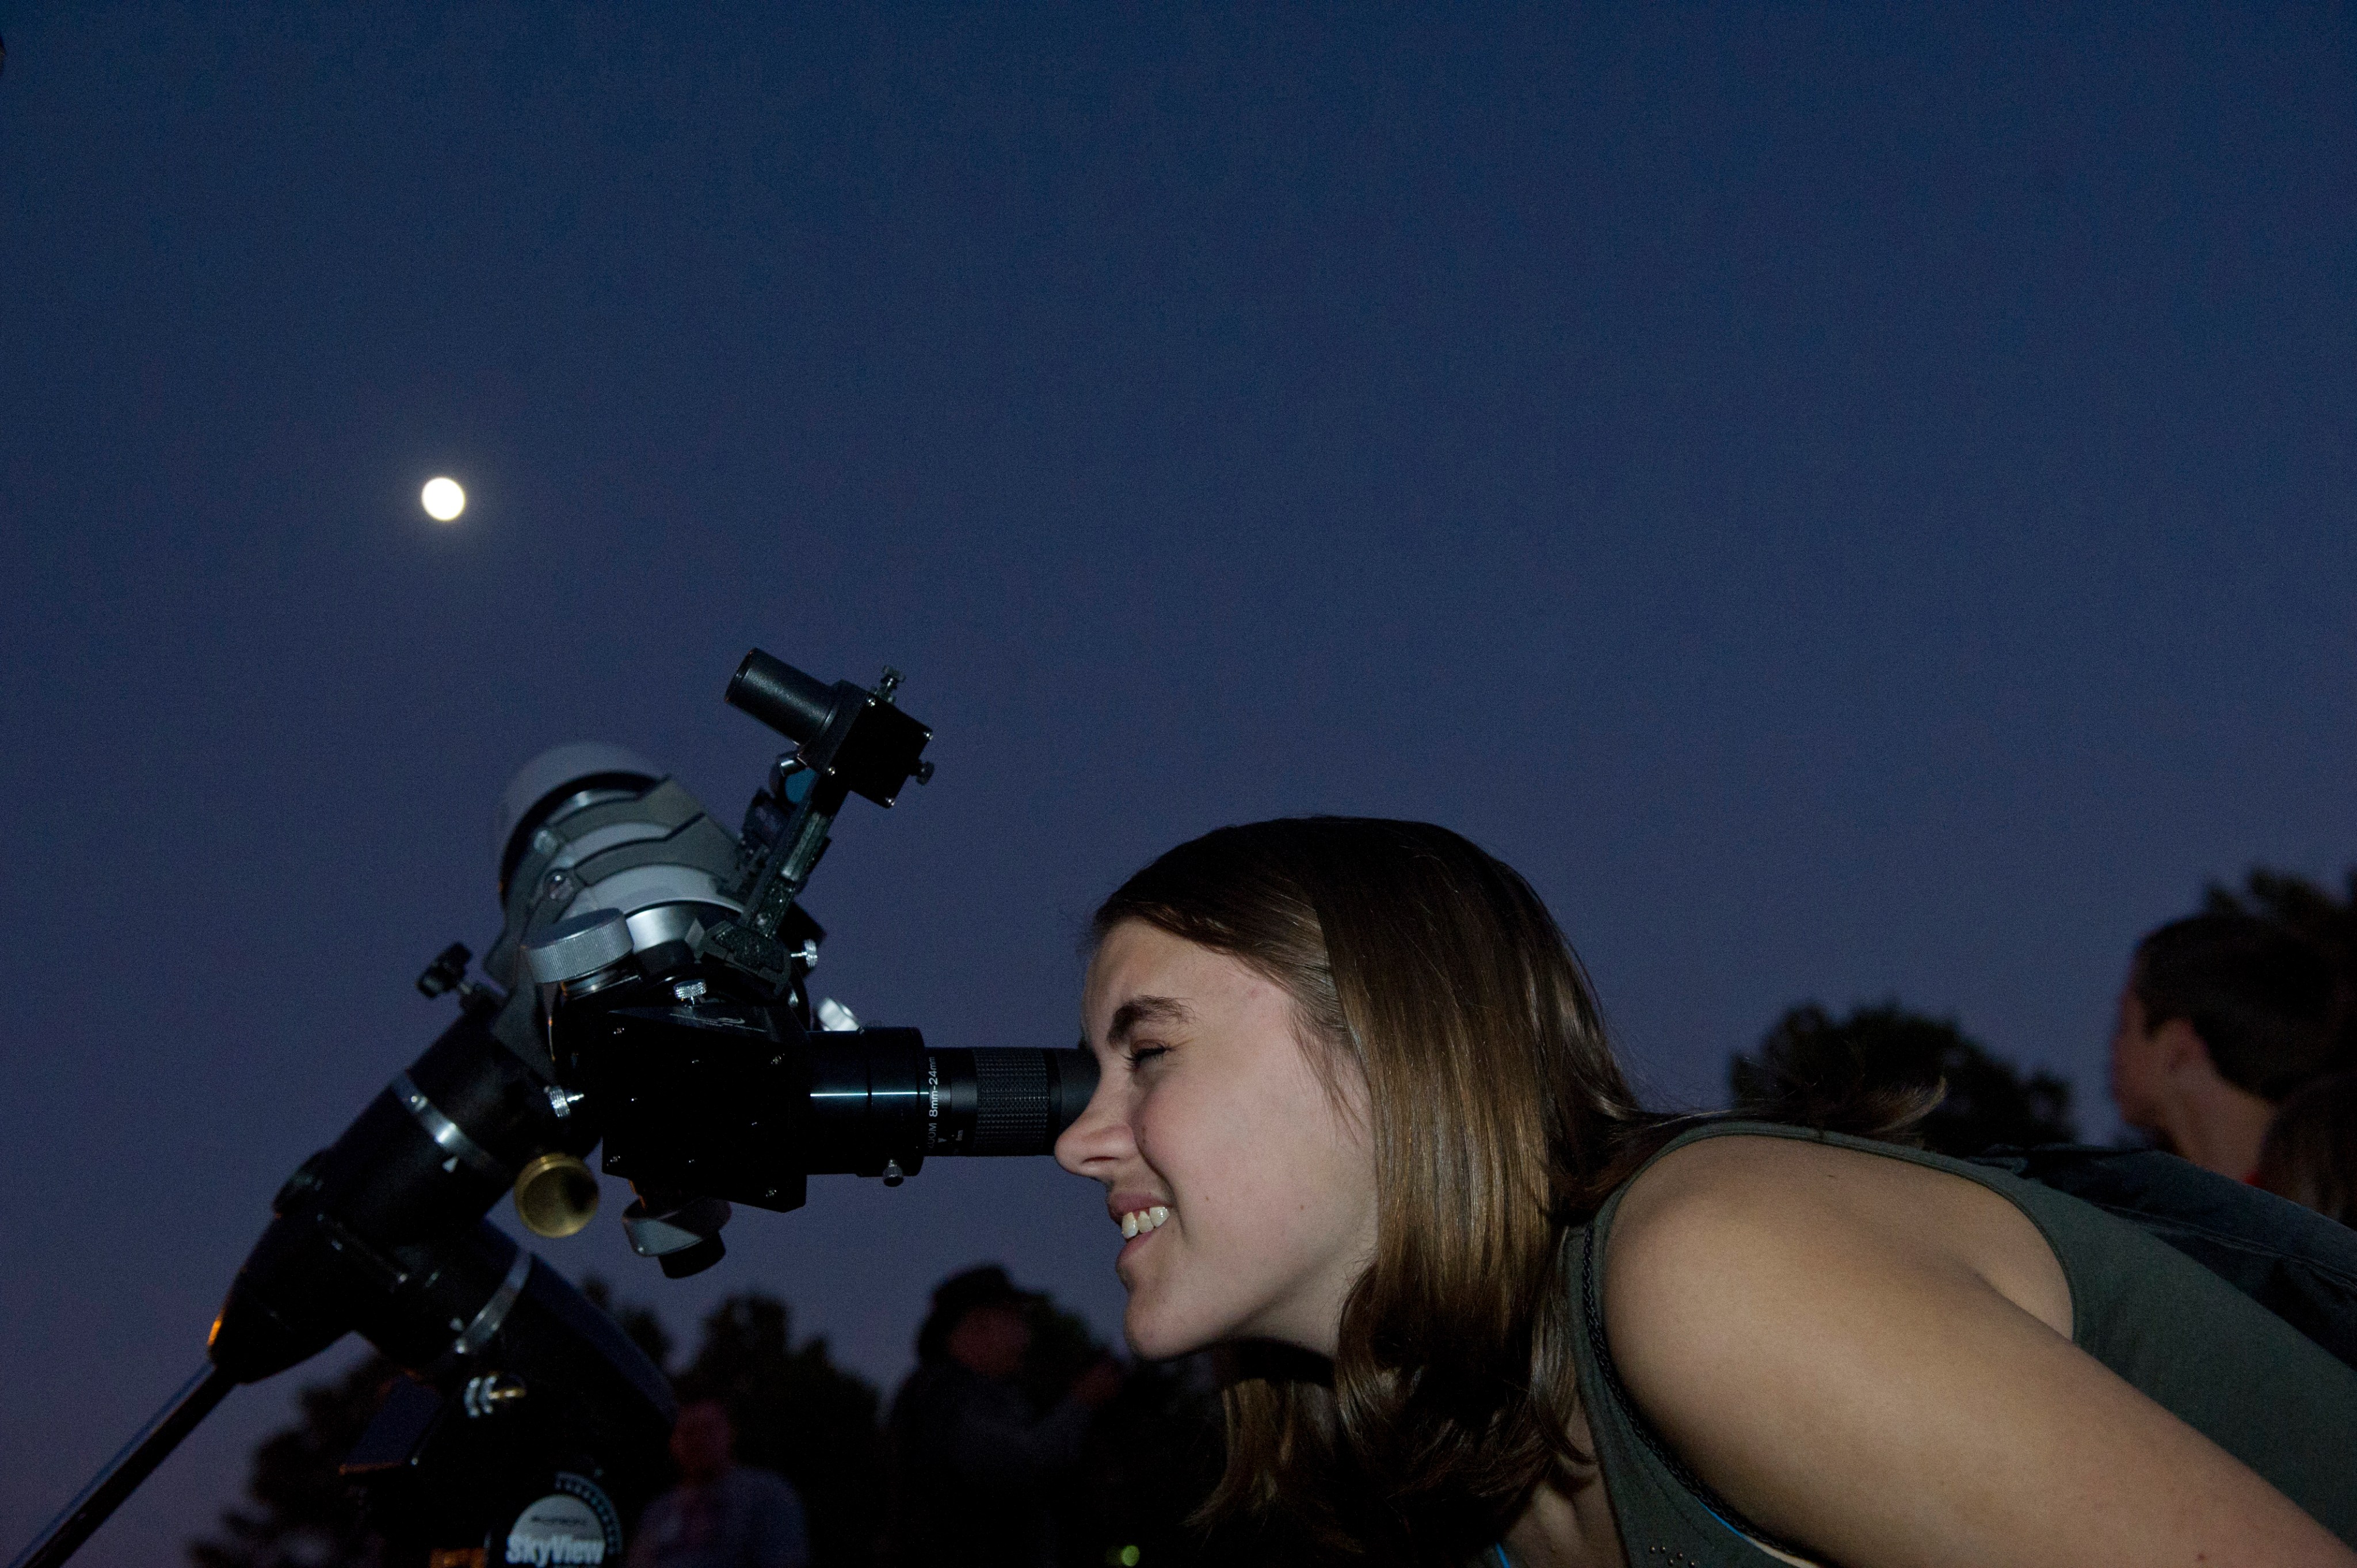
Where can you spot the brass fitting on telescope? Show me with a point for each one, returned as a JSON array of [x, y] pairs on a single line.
[[556, 1195]]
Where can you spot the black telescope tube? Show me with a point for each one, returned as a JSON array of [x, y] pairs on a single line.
[[796, 706], [1073, 1081], [882, 1095], [1007, 1101]]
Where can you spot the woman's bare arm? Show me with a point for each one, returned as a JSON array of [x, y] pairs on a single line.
[[1870, 1359]]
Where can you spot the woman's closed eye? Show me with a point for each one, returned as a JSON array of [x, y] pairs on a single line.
[[1139, 1056]]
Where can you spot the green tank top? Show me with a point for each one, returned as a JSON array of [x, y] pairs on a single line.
[[2221, 1363]]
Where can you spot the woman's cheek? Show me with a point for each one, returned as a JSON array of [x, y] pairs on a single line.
[[1172, 1135]]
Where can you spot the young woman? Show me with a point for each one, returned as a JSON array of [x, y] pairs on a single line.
[[1359, 1119]]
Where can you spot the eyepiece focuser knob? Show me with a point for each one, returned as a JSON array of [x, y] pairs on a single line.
[[577, 948]]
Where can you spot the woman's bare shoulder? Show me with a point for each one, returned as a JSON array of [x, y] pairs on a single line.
[[1762, 1212], [1753, 1178], [1859, 1352]]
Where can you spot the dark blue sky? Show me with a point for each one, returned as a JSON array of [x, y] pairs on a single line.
[[1853, 503]]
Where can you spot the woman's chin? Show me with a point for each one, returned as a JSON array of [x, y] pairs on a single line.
[[1152, 1336]]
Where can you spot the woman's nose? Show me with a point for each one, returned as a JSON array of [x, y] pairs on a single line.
[[1100, 1137]]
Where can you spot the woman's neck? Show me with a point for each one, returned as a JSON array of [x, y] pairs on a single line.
[[1575, 1529], [1568, 1523]]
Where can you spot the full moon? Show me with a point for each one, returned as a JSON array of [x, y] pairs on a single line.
[[444, 500]]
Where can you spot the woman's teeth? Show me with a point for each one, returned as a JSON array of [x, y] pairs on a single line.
[[1138, 1221]]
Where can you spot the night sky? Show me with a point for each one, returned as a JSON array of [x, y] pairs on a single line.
[[1852, 504]]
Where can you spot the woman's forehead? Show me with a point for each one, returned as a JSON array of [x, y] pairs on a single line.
[[1135, 957], [1149, 974]]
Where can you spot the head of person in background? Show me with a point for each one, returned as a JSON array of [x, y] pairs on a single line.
[[2223, 1018], [703, 1441], [979, 1321], [2310, 1153]]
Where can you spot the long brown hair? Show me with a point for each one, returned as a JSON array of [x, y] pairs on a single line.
[[1498, 1120]]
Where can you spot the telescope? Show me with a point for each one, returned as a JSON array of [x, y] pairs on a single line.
[[649, 991]]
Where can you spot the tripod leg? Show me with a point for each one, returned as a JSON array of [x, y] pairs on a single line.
[[121, 1475]]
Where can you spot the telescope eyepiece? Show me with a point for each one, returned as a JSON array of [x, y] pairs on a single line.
[[796, 706]]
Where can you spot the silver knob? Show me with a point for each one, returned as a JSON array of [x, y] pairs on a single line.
[[580, 946]]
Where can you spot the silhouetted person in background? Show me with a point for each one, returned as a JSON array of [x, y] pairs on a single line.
[[2310, 1154], [722, 1514], [978, 1464], [2224, 1017]]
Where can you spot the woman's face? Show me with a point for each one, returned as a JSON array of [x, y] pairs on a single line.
[[1250, 1189]]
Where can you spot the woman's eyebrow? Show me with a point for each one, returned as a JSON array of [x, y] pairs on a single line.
[[1146, 1010]]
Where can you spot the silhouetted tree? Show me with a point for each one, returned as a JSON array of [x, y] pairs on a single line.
[[303, 1514], [799, 1415], [1810, 1059]]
